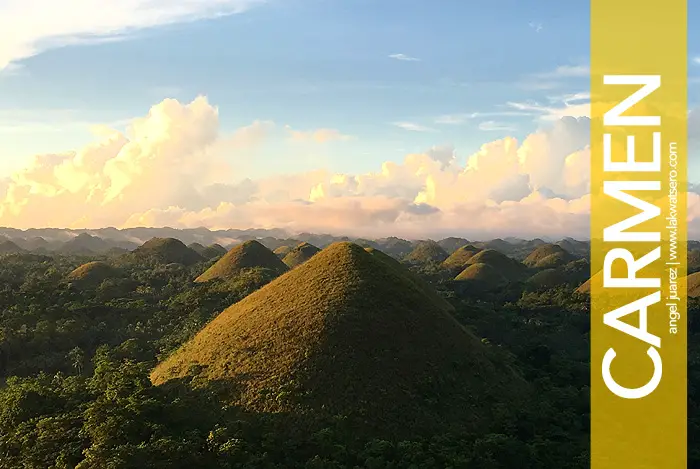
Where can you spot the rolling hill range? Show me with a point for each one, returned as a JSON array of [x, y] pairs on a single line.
[[349, 332]]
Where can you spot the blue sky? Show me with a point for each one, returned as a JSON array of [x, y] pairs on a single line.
[[458, 72]]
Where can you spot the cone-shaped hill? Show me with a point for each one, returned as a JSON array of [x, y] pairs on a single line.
[[208, 252], [93, 274], [248, 255], [282, 251], [458, 259], [10, 247], [300, 254], [451, 244], [483, 274], [693, 260], [197, 247], [164, 251], [349, 333], [548, 256], [426, 252], [507, 267]]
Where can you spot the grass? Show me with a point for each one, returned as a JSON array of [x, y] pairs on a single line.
[[427, 251], [165, 251], [350, 332], [548, 256], [93, 273], [300, 254], [507, 267], [248, 255], [459, 258]]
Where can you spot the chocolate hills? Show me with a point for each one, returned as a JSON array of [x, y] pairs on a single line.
[[248, 255], [507, 267], [451, 244], [300, 254], [208, 252], [163, 251], [459, 258], [349, 333], [426, 252], [93, 274], [10, 247], [548, 256], [483, 275], [282, 251]]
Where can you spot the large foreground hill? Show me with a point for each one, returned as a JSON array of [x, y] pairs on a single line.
[[349, 333]]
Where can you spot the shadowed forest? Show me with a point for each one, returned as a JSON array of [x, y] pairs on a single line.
[[300, 353]]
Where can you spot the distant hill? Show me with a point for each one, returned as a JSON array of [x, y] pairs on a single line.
[[459, 258], [349, 334], [164, 251], [507, 267], [300, 254], [548, 256], [451, 244], [248, 255], [693, 260], [208, 252], [9, 247], [426, 252], [282, 251], [93, 274], [395, 247], [484, 275], [85, 243]]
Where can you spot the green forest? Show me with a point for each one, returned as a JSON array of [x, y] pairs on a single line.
[[342, 336]]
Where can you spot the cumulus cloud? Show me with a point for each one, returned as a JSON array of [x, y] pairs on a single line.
[[169, 169], [29, 28]]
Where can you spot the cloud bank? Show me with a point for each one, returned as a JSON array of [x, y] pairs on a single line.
[[174, 168]]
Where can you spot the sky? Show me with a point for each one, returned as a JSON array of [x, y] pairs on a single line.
[[395, 117]]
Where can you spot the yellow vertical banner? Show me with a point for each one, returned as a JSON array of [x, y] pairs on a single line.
[[638, 234]]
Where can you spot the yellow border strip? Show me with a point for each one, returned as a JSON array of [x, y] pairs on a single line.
[[638, 230]]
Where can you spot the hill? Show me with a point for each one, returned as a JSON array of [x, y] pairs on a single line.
[[451, 244], [164, 251], [85, 243], [507, 267], [93, 274], [282, 251], [10, 247], [459, 258], [484, 275], [349, 334], [426, 252], [300, 254], [693, 260], [548, 256], [248, 255]]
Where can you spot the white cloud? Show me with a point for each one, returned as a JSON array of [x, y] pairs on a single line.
[[574, 105], [459, 119], [536, 26], [404, 57], [169, 169], [29, 28], [493, 126], [413, 127], [317, 136], [696, 60]]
